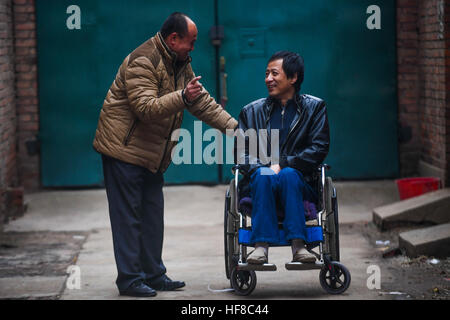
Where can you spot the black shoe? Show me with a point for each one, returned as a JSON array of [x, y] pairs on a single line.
[[138, 289], [165, 284]]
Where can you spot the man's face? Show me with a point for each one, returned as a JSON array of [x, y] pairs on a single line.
[[183, 46], [277, 83]]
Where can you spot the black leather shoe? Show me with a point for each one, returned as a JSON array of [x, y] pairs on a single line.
[[138, 289], [165, 284]]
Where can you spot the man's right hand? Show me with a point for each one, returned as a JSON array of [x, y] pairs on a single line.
[[193, 89]]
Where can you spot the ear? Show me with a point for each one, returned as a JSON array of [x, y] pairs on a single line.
[[293, 80], [171, 39]]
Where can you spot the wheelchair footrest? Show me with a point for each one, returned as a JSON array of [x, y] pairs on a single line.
[[257, 267], [303, 266]]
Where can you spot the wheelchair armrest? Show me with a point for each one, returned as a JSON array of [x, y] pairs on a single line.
[[323, 165], [239, 168]]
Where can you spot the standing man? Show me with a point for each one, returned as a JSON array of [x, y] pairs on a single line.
[[304, 141], [143, 107]]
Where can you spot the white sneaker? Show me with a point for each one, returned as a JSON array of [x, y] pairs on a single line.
[[257, 256], [303, 256]]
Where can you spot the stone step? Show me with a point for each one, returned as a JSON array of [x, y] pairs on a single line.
[[432, 207], [432, 241]]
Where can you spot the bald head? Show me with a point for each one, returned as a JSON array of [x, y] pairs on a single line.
[[180, 33]]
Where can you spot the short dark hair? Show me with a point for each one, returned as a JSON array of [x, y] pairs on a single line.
[[292, 64], [176, 22]]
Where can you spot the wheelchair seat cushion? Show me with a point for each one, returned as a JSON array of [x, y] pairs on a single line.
[[245, 206]]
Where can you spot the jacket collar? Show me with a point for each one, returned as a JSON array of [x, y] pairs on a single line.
[[166, 52], [272, 102]]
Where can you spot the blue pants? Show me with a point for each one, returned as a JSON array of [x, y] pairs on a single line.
[[136, 211], [289, 188]]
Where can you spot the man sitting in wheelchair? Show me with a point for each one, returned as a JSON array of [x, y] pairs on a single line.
[[304, 139]]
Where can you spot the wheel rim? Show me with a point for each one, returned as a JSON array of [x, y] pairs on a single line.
[[333, 281], [243, 282], [337, 283], [231, 260], [226, 240], [336, 229]]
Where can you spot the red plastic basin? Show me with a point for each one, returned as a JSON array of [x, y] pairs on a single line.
[[413, 187]]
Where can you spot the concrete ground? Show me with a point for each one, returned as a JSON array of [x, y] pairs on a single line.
[[193, 247]]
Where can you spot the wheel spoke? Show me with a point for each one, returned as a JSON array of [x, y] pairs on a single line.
[[335, 278], [243, 280]]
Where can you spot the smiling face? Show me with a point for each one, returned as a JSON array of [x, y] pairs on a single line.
[[278, 84], [182, 46]]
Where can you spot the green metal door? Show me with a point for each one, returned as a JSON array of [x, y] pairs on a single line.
[[349, 65], [77, 66]]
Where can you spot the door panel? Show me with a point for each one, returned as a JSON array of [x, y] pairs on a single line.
[[349, 66], [77, 67]]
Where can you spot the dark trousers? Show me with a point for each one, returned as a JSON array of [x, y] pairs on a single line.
[[136, 210]]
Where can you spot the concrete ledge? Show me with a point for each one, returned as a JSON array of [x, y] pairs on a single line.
[[432, 207], [31, 287], [432, 241]]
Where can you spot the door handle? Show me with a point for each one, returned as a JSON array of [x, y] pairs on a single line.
[[223, 82]]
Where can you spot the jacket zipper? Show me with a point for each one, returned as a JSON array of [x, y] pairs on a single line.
[[167, 144], [130, 132], [171, 128], [292, 129]]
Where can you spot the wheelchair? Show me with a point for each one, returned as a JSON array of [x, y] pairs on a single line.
[[322, 233]]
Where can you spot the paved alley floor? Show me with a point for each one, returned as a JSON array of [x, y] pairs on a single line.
[[193, 246]]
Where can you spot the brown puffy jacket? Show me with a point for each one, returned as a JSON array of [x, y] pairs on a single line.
[[145, 105]]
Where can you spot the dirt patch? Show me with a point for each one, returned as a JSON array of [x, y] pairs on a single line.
[[39, 253], [423, 277]]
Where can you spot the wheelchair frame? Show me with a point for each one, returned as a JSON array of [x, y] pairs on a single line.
[[242, 275]]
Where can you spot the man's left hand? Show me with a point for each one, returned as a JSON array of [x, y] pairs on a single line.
[[276, 168]]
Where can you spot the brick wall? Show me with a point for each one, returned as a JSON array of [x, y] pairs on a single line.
[[432, 98], [408, 86], [8, 169], [26, 91], [422, 82], [447, 87]]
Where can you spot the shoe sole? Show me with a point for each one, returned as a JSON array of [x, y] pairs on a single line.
[[251, 261], [145, 295], [305, 260], [168, 289], [171, 289]]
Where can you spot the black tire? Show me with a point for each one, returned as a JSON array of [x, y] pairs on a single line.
[[335, 253], [332, 222], [231, 259], [243, 282], [336, 283], [225, 235]]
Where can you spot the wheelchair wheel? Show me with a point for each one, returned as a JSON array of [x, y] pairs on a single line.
[[335, 278], [243, 282], [332, 221], [230, 241]]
